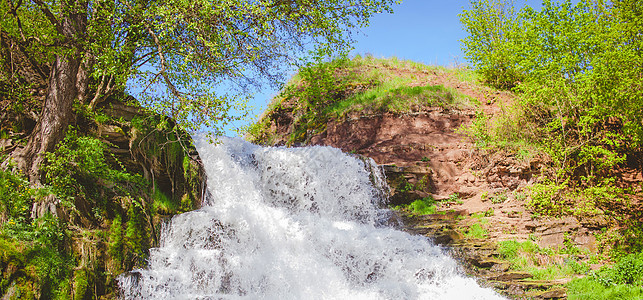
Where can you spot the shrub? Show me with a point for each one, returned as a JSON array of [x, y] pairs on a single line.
[[547, 198], [82, 168], [424, 206], [15, 201], [575, 66], [622, 281], [629, 270]]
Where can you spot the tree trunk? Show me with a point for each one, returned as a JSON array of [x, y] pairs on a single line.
[[67, 78], [55, 116]]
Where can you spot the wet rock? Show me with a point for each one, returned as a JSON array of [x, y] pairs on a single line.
[[407, 197], [511, 276], [417, 170], [484, 262], [448, 237], [555, 293], [392, 169], [449, 215], [519, 289], [500, 267], [539, 284]]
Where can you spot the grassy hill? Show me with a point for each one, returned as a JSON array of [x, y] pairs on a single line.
[[361, 86]]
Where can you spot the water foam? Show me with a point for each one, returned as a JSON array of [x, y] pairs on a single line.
[[293, 223]]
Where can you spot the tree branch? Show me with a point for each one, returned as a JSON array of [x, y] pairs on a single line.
[[50, 16], [159, 50], [99, 91], [14, 11]]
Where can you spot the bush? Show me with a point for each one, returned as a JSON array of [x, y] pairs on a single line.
[[622, 281], [576, 69], [629, 270], [82, 169], [548, 198]]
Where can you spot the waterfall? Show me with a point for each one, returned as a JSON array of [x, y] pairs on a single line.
[[293, 223]]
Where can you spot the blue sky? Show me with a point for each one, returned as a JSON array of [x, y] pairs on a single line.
[[426, 31]]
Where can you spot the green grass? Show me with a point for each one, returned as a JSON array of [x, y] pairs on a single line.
[[623, 280], [551, 272], [391, 91], [542, 263], [424, 206], [590, 289], [163, 204], [476, 231], [464, 74], [397, 97]]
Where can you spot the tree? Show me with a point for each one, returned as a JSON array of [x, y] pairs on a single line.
[[578, 70], [173, 53]]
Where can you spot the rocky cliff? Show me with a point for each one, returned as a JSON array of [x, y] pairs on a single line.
[[416, 121]]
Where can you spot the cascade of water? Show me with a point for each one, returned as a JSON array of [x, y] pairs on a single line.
[[303, 223]]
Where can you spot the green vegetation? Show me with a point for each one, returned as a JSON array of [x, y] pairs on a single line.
[[576, 71], [403, 185], [342, 87], [158, 140], [34, 246], [543, 263], [174, 55], [79, 172], [38, 245], [424, 206], [555, 59], [75, 210], [498, 198], [476, 231], [591, 289], [455, 197], [91, 218], [622, 281]]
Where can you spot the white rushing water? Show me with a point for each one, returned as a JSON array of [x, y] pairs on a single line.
[[298, 223]]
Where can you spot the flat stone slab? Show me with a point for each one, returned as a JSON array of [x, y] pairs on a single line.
[[555, 293], [511, 276]]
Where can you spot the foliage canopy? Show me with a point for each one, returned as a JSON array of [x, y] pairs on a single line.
[[177, 55]]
